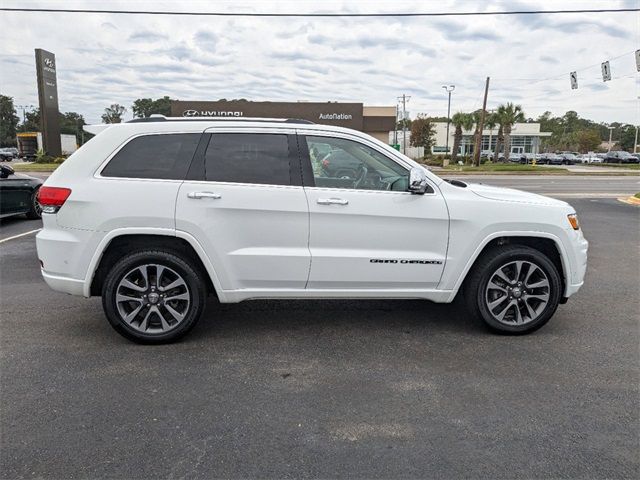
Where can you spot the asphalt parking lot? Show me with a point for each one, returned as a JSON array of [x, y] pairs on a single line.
[[366, 389]]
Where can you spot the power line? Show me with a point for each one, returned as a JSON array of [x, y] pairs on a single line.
[[320, 14]]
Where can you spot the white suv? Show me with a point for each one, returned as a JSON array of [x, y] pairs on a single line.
[[155, 215]]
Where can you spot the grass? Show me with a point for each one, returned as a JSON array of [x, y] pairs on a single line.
[[497, 167], [35, 167], [631, 166]]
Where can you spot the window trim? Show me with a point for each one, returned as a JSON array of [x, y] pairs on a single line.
[[309, 179], [98, 172]]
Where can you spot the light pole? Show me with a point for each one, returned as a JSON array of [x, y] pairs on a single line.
[[448, 89], [610, 133], [24, 112]]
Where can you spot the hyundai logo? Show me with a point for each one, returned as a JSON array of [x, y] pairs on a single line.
[[190, 113], [49, 63]]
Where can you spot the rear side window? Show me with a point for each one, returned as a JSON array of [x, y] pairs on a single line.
[[165, 156], [248, 158]]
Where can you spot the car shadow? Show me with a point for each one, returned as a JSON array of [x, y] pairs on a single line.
[[257, 317]]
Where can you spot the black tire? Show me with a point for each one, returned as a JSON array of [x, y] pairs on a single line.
[[194, 286], [475, 291], [35, 211]]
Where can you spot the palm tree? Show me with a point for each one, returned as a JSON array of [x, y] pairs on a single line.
[[462, 121], [509, 114], [490, 122]]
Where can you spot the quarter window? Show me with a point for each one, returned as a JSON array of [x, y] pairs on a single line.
[[165, 156], [340, 163], [248, 158]]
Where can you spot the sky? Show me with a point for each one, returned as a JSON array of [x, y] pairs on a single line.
[[109, 58]]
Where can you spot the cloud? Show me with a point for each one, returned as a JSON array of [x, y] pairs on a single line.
[[371, 42], [111, 58], [147, 37], [597, 87], [548, 59], [206, 40]]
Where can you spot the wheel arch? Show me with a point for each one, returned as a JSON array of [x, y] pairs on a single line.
[[546, 243], [118, 243]]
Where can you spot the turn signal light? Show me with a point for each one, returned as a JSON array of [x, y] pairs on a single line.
[[573, 220], [52, 198]]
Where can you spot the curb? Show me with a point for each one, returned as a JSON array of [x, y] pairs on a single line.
[[630, 200]]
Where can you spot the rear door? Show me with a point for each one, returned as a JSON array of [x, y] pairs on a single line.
[[367, 231], [244, 202]]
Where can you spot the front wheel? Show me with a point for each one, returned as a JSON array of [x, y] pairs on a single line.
[[35, 209], [153, 296], [514, 290]]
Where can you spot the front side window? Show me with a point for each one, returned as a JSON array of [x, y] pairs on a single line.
[[259, 158], [340, 163], [165, 156]]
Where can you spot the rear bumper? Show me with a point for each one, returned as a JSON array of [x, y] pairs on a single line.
[[62, 284]]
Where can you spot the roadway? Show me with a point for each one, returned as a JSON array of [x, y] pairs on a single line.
[[334, 389]]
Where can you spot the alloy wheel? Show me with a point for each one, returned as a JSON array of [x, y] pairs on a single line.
[[152, 298], [517, 293]]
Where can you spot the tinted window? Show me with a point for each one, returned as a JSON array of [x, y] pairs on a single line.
[[248, 158], [340, 163], [165, 156]]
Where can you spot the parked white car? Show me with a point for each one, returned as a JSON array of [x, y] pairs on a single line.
[[155, 215], [590, 158]]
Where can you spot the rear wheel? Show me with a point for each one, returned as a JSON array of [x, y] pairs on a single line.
[[153, 296], [514, 290]]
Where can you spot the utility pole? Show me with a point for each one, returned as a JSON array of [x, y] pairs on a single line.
[[395, 128], [448, 89], [405, 99], [476, 150]]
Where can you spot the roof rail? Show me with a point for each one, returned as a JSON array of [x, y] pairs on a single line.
[[162, 118]]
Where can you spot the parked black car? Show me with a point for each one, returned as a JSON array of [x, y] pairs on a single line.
[[620, 157], [568, 158], [18, 194], [551, 159]]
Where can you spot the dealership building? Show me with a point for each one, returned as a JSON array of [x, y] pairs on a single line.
[[525, 138], [376, 121]]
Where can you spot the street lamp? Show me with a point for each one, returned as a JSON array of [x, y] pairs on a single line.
[[448, 89], [610, 132]]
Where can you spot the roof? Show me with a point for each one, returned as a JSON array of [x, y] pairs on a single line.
[[160, 123]]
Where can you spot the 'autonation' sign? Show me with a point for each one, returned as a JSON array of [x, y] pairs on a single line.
[[341, 114]]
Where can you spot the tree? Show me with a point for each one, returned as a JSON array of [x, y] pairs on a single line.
[[508, 115], [587, 140], [8, 121], [422, 132], [461, 121], [627, 137], [145, 107], [32, 121], [113, 114], [404, 123]]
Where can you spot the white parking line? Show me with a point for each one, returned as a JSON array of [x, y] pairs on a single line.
[[20, 235]]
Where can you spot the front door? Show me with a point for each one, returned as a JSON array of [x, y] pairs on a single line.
[[366, 230], [245, 204]]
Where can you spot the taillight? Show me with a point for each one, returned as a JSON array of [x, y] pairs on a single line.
[[52, 198]]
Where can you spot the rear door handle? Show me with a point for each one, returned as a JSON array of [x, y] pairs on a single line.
[[199, 195], [333, 201]]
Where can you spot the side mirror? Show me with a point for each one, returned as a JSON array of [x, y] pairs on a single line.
[[5, 171], [417, 181]]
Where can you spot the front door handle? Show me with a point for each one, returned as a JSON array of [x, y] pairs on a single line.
[[199, 195], [333, 201]]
